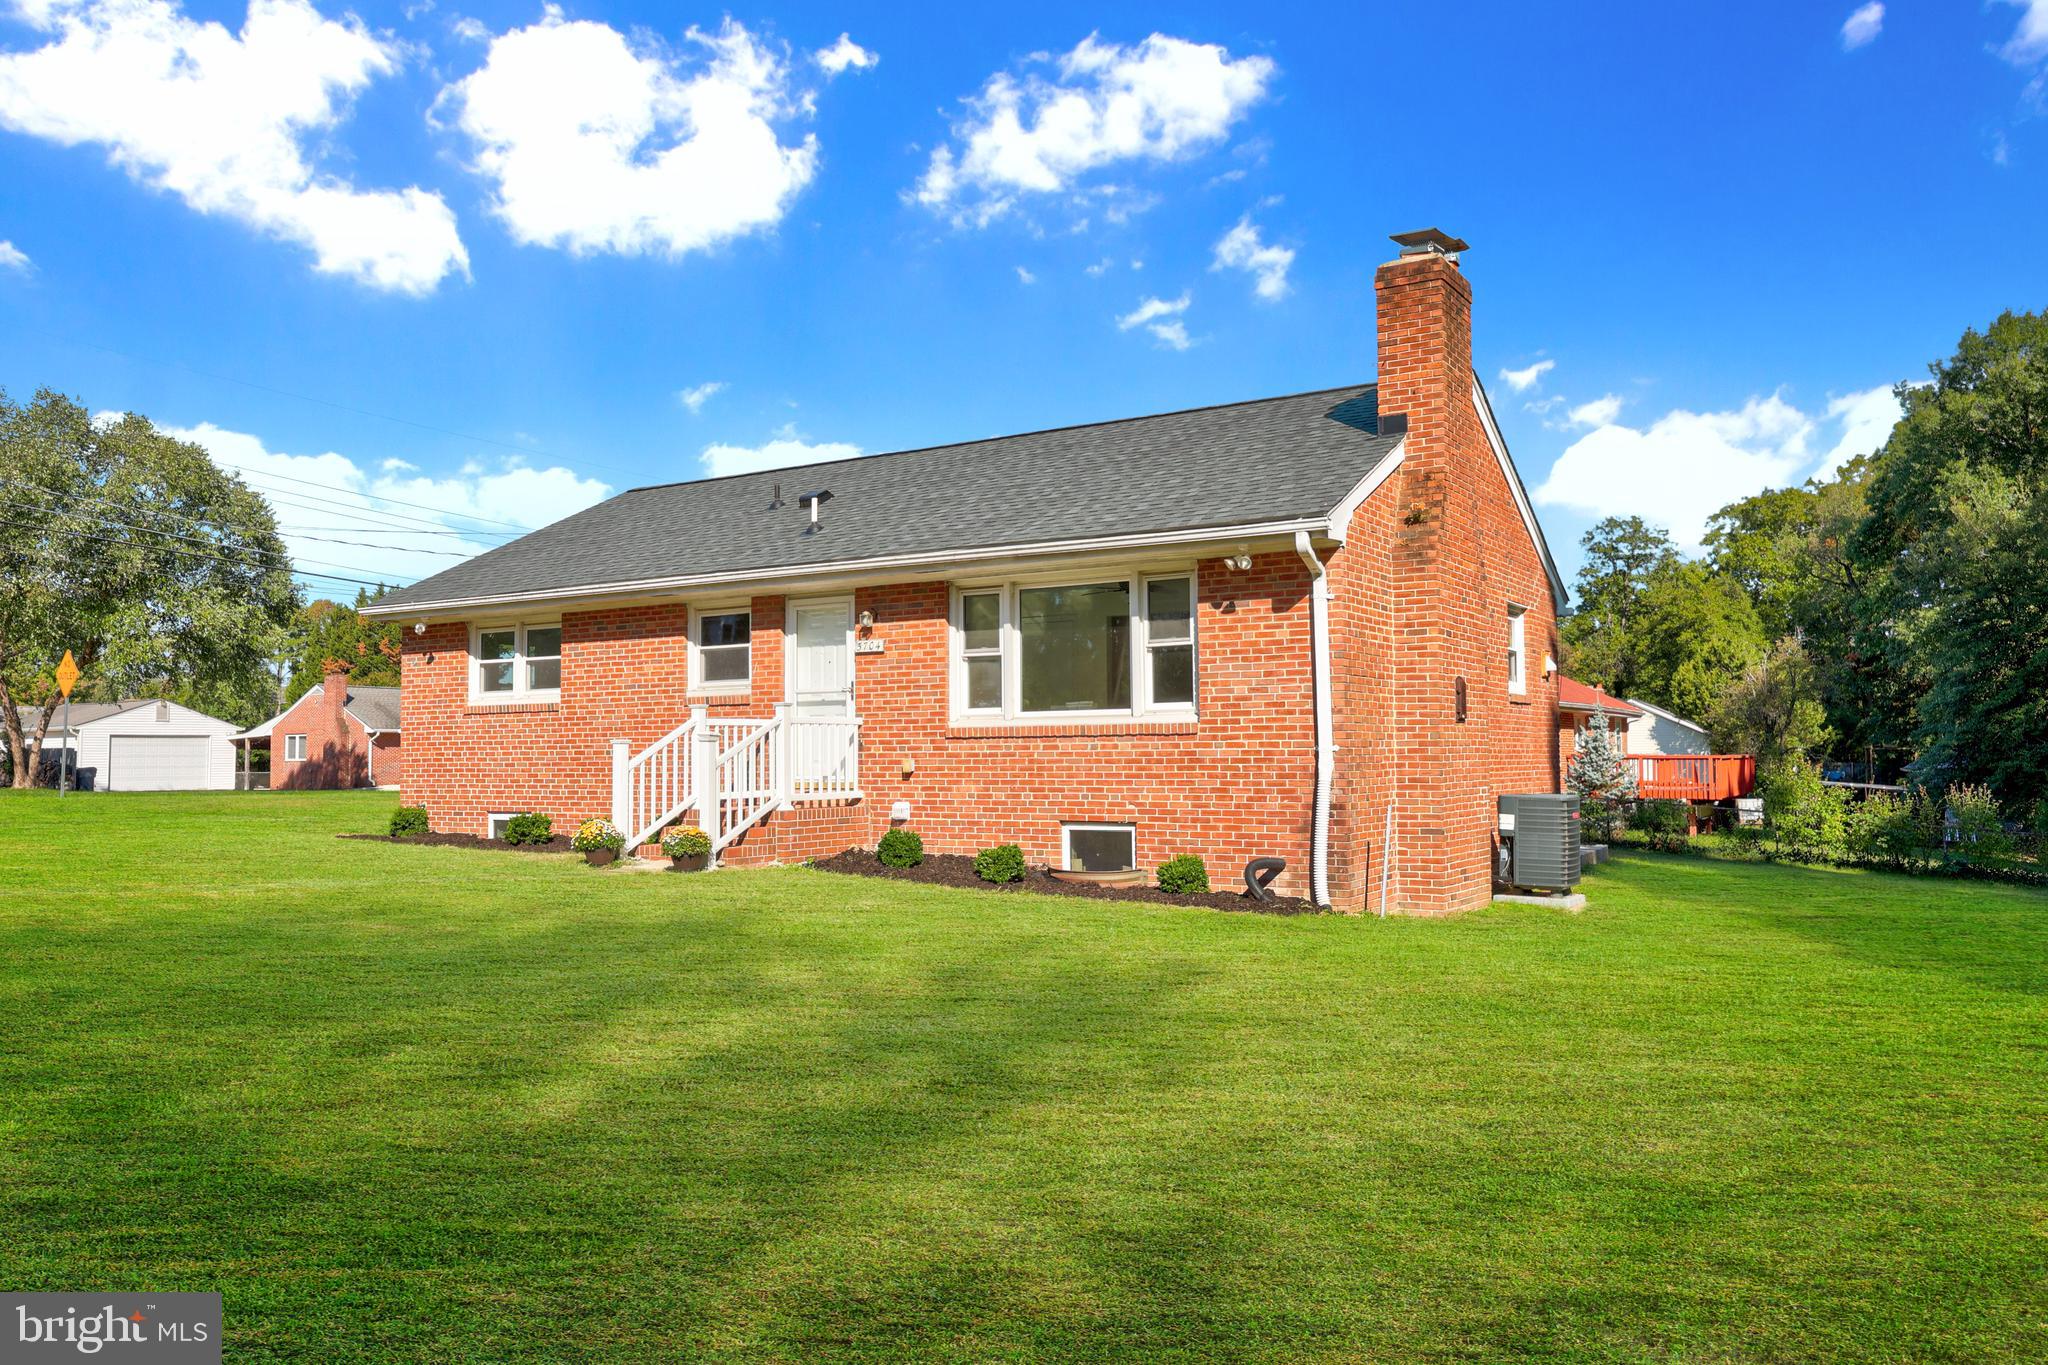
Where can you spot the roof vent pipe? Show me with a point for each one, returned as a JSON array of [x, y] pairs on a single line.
[[775, 498], [817, 499]]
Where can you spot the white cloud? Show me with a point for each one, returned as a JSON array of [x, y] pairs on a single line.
[[1163, 319], [594, 145], [2029, 41], [1025, 277], [13, 257], [1867, 420], [697, 395], [1527, 378], [1032, 133], [1686, 466], [1172, 335], [227, 121], [469, 30], [784, 450], [1100, 268], [1598, 413], [1863, 26], [1241, 249], [844, 54], [510, 491]]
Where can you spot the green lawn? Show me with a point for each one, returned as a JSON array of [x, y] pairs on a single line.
[[440, 1104]]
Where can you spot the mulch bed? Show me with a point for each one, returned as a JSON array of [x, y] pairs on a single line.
[[558, 844], [952, 869]]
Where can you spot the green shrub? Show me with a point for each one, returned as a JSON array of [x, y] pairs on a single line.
[[1817, 825], [1788, 787], [1660, 817], [529, 829], [1003, 863], [1980, 832], [1596, 820], [1184, 875], [685, 841], [900, 848], [408, 820]]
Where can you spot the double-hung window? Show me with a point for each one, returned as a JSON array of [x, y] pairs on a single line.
[[723, 657], [295, 748], [517, 662], [1114, 645], [1518, 668]]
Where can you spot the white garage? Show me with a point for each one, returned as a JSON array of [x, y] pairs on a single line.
[[156, 763], [141, 745]]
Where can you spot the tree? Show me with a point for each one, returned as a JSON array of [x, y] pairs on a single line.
[[1622, 553], [1693, 634], [1773, 710], [1956, 543], [135, 552], [324, 630], [1600, 773]]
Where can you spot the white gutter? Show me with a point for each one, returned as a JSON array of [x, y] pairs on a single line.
[[938, 561], [1326, 746]]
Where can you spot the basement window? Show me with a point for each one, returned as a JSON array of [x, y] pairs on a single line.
[[494, 824], [1098, 848], [295, 748]]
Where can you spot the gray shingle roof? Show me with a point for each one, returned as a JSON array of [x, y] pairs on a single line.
[[82, 713], [1275, 459], [375, 707]]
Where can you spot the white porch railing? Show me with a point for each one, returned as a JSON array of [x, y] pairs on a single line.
[[734, 773]]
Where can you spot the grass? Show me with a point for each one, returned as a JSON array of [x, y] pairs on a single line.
[[440, 1104]]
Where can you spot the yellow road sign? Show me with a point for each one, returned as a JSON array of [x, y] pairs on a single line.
[[67, 675]]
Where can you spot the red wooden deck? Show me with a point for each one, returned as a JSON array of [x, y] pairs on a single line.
[[1694, 777]]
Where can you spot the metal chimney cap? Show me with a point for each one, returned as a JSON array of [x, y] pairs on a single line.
[[822, 495], [1430, 241]]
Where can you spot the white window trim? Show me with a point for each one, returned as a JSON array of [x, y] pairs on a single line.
[[743, 607], [491, 822], [289, 742], [1518, 650], [1067, 840], [520, 692], [1142, 707]]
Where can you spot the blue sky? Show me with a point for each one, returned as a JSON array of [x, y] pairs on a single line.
[[468, 260]]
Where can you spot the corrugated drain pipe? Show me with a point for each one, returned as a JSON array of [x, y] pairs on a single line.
[[1326, 747]]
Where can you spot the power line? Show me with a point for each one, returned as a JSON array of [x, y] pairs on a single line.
[[293, 571], [102, 499], [375, 519], [395, 502], [289, 565]]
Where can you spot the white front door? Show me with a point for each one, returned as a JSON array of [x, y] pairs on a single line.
[[821, 657]]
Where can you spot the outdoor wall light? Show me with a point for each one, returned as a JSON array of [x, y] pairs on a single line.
[[419, 627], [867, 620], [1239, 562]]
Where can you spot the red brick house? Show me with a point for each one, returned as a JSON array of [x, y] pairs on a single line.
[[335, 736], [1315, 626]]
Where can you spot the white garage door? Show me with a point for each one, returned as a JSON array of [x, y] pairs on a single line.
[[157, 763]]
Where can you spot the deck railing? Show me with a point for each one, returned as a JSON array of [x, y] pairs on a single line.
[[733, 773], [1693, 777]]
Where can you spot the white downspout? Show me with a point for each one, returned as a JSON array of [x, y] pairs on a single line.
[[1326, 746]]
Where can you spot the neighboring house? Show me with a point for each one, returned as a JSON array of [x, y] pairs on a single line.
[[1577, 704], [142, 745], [1657, 731], [1306, 626], [335, 736]]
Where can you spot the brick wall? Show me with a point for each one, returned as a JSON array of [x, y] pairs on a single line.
[[1232, 786], [1420, 596], [387, 759], [335, 742]]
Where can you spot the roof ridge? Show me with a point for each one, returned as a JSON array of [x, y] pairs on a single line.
[[1011, 436]]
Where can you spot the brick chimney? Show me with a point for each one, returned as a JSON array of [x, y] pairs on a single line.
[[1425, 387], [334, 706]]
